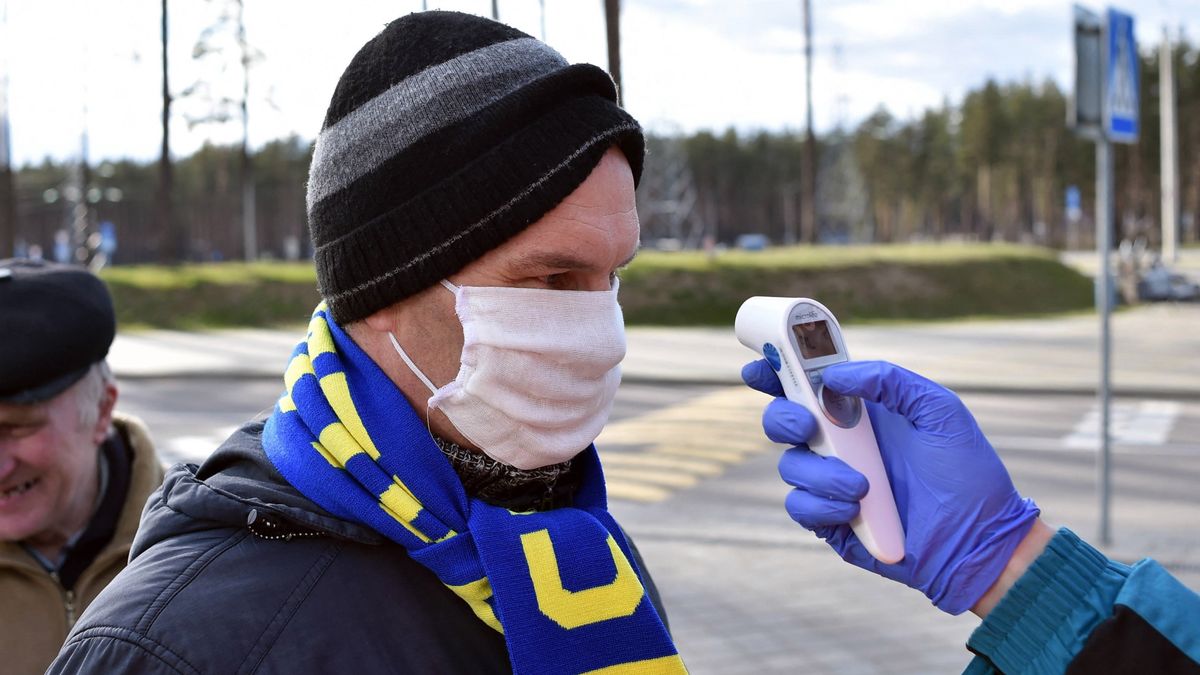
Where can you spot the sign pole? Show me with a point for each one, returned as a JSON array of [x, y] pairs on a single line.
[[1104, 108], [1118, 93], [1104, 220]]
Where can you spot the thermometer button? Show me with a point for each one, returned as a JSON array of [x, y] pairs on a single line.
[[844, 411]]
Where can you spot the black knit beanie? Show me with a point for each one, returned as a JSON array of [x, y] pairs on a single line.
[[447, 135]]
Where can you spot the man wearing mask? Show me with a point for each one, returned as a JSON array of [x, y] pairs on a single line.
[[73, 475], [424, 497]]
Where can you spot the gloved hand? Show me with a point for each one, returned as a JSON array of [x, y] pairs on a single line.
[[962, 516]]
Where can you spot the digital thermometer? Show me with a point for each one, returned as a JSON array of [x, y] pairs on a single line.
[[800, 338]]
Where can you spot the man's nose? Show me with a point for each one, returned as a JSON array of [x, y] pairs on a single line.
[[598, 282], [7, 463]]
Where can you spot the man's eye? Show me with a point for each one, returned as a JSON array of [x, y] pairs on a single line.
[[555, 280], [17, 431]]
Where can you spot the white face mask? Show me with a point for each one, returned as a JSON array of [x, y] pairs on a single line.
[[539, 371]]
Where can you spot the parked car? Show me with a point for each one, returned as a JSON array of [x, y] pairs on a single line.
[[1160, 283], [752, 242]]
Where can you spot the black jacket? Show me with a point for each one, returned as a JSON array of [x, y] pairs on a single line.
[[234, 571]]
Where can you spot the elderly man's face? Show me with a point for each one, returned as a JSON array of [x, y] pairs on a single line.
[[48, 467], [579, 245]]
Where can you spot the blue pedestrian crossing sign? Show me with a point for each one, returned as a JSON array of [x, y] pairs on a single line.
[[1120, 79]]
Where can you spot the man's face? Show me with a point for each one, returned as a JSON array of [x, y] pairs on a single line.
[[48, 468], [579, 245]]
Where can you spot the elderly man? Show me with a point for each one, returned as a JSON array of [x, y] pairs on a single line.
[[425, 497], [73, 477]]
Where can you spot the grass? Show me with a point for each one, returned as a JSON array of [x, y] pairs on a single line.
[[159, 277], [213, 295], [813, 257], [859, 283]]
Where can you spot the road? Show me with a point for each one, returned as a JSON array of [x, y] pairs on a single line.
[[694, 482]]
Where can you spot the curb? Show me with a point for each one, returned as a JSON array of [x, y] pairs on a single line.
[[238, 375], [1158, 393]]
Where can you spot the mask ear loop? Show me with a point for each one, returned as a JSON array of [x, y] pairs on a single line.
[[415, 371], [413, 367]]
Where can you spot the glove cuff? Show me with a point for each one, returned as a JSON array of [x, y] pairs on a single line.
[[980, 569]]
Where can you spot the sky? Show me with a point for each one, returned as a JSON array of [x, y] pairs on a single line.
[[687, 64]]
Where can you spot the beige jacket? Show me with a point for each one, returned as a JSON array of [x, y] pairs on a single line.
[[35, 611]]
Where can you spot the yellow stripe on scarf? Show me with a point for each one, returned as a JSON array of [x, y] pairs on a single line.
[[286, 404], [298, 367], [663, 665], [327, 455], [477, 594], [337, 393], [320, 340], [399, 503]]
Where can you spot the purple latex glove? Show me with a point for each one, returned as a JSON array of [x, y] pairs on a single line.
[[962, 516]]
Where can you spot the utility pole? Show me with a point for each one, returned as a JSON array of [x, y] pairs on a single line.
[[174, 241], [495, 10], [8, 192], [83, 177], [787, 193], [1104, 288], [808, 188], [1168, 151], [542, 5], [249, 226], [612, 22]]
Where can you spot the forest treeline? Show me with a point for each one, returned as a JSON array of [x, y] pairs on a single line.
[[994, 166]]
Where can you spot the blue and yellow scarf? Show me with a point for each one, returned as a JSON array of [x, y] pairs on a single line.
[[560, 585]]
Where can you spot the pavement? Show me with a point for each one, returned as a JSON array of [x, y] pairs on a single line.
[[1154, 353]]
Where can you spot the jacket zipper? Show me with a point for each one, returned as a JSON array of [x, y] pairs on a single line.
[[268, 526], [68, 597]]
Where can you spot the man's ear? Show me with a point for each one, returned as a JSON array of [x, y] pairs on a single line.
[[107, 403], [382, 321], [388, 319]]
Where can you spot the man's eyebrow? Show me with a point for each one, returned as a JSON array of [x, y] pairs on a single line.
[[557, 260], [20, 418]]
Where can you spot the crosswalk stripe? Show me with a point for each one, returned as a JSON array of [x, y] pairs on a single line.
[[1143, 423], [665, 478], [676, 446], [629, 459], [724, 456], [636, 492]]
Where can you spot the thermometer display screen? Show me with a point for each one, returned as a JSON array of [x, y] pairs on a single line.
[[814, 339]]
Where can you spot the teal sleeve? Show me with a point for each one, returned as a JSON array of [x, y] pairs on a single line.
[[1169, 607], [1043, 621]]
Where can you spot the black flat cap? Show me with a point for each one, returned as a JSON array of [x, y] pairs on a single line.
[[55, 322]]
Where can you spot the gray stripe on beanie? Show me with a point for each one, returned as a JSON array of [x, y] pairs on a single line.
[[418, 105], [607, 134]]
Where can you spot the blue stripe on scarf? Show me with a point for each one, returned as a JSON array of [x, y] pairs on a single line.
[[561, 582]]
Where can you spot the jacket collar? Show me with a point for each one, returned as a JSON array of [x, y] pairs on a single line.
[[236, 479]]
